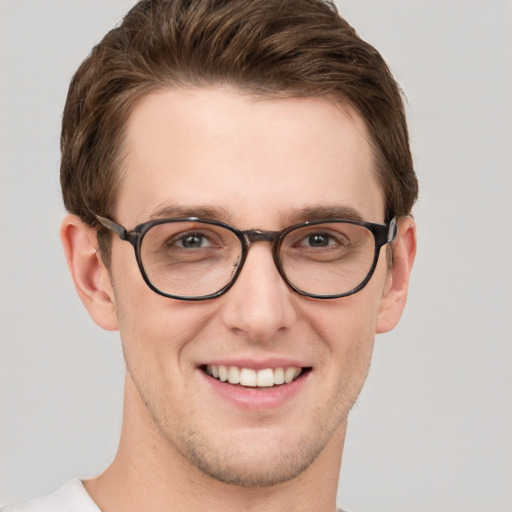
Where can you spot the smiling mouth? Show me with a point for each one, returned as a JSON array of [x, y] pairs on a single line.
[[248, 377]]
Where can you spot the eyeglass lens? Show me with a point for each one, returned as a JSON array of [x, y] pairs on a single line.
[[195, 259]]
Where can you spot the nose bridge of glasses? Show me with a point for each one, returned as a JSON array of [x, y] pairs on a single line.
[[257, 235]]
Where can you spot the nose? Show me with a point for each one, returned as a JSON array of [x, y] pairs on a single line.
[[260, 304]]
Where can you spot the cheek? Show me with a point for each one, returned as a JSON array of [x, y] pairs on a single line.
[[145, 325], [347, 328], [156, 331], [348, 334], [347, 319]]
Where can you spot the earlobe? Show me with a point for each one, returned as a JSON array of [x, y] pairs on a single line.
[[90, 276], [395, 295]]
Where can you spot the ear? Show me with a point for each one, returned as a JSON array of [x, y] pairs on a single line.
[[397, 285], [91, 277]]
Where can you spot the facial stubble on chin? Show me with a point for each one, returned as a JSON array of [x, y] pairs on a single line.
[[231, 467]]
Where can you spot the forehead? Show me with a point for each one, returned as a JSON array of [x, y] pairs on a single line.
[[254, 159]]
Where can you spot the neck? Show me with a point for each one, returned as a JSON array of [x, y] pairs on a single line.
[[149, 473]]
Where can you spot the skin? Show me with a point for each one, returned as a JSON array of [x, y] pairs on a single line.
[[255, 163]]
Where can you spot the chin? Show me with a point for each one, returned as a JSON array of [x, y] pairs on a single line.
[[255, 460], [253, 471]]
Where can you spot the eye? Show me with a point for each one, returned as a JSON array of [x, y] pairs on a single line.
[[317, 240], [324, 243], [321, 239], [191, 240]]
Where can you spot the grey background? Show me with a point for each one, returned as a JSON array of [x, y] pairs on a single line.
[[432, 430]]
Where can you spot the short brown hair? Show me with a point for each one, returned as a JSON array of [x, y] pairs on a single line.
[[289, 48]]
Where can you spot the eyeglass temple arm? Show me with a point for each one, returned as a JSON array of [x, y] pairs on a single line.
[[113, 226], [393, 230]]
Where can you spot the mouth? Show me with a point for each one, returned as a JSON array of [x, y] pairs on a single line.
[[267, 378]]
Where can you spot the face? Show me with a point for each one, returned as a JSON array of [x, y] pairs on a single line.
[[256, 164]]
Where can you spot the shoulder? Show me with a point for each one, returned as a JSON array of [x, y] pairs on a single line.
[[71, 497]]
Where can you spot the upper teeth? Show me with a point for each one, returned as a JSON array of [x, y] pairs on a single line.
[[254, 378]]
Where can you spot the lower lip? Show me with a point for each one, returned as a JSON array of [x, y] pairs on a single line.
[[254, 398]]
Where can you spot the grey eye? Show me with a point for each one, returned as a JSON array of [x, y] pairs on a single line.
[[191, 241], [318, 240]]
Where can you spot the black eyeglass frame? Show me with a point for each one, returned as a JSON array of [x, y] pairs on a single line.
[[382, 233]]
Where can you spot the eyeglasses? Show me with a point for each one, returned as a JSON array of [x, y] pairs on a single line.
[[197, 259]]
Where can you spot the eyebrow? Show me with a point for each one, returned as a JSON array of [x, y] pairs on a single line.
[[322, 212], [200, 211], [311, 213]]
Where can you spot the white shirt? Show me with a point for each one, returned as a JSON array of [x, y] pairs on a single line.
[[71, 497]]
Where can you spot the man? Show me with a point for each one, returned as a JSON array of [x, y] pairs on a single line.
[[239, 182]]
